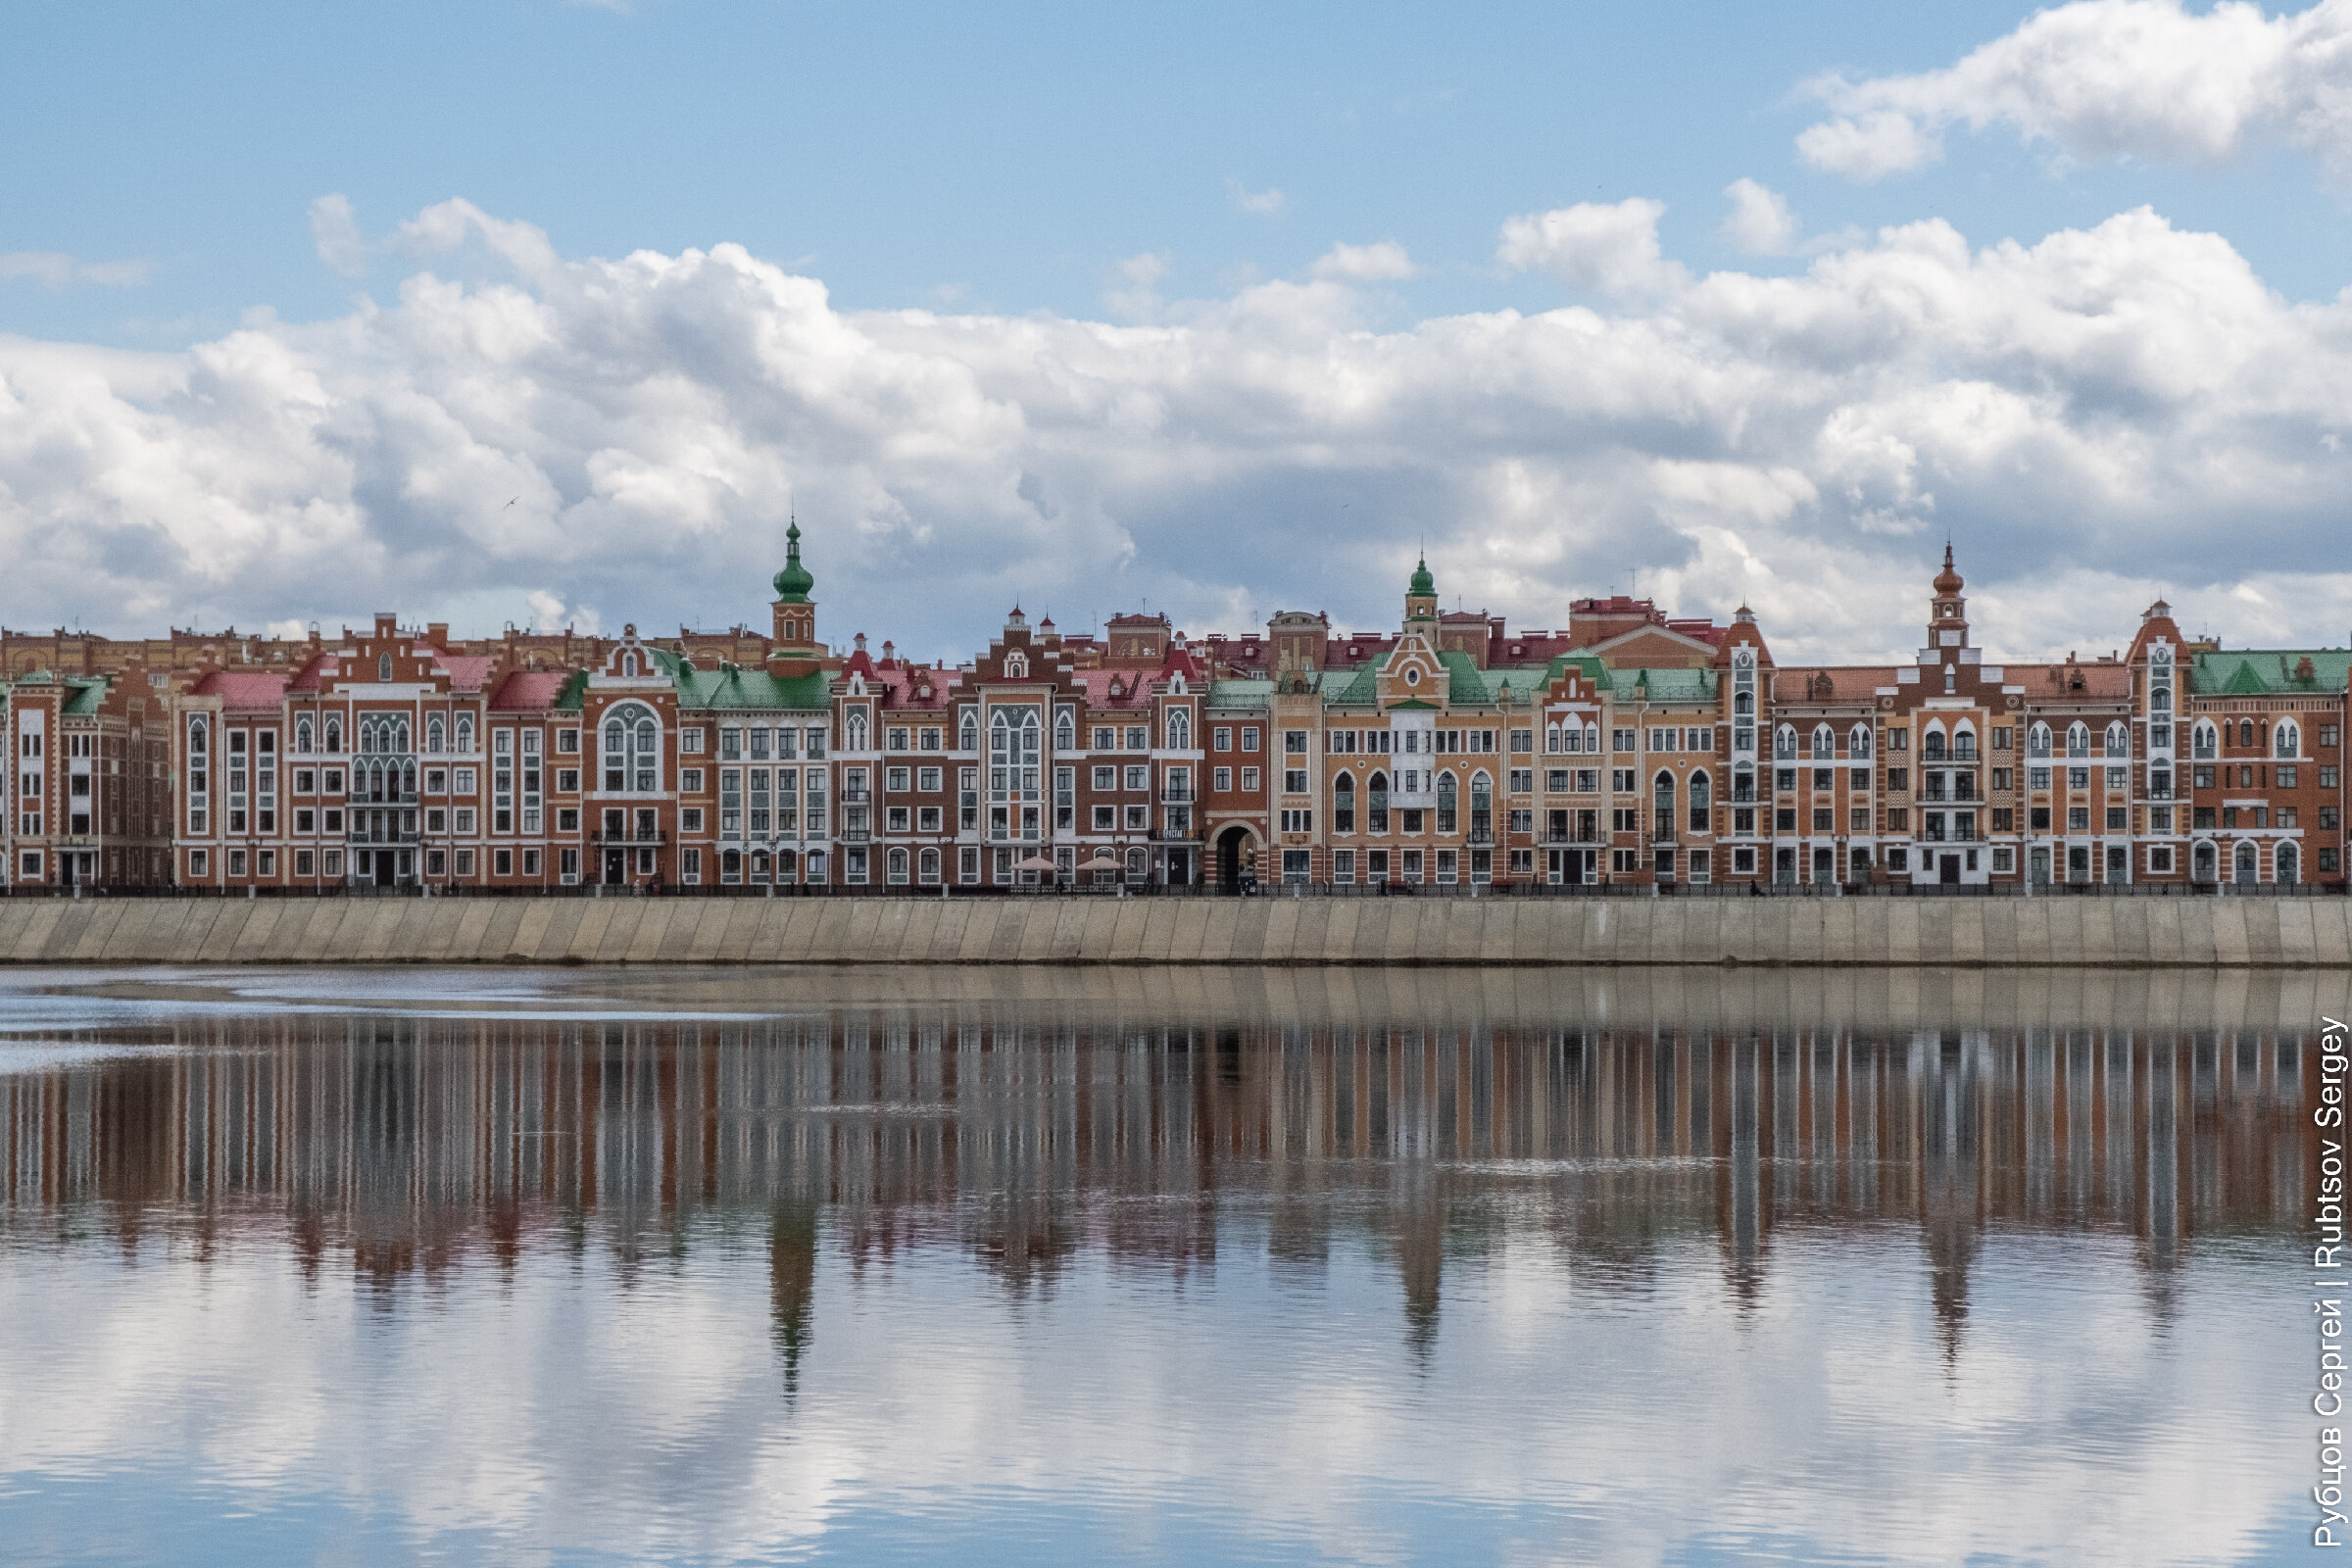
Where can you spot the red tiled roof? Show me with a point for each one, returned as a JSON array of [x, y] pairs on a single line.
[[524, 689], [242, 691]]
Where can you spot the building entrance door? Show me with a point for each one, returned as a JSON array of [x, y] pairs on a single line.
[[1947, 870], [383, 868], [616, 865]]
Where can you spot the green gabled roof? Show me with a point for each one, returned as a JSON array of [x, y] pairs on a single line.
[[1359, 687], [87, 695], [1664, 685], [1465, 684], [2259, 671], [1238, 693], [745, 689], [1410, 701]]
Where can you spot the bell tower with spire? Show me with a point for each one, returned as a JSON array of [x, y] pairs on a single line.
[[1421, 599], [794, 610], [1947, 612]]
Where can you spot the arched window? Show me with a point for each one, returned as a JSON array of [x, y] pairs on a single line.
[[1139, 866], [2160, 780], [857, 730], [1552, 738], [2248, 867], [2160, 696], [2203, 864], [2287, 862], [384, 667], [1784, 741], [1592, 738], [464, 732], [1065, 731], [198, 740], [2285, 744], [1858, 741], [1180, 729], [302, 734], [1377, 815], [1825, 743], [927, 868], [399, 736], [2204, 743], [436, 734], [1016, 667], [1661, 791], [1343, 804], [1481, 809], [2078, 739], [1447, 804], [1930, 744], [1964, 743], [1702, 799], [1744, 704], [2245, 734], [2038, 739], [896, 871], [2119, 740], [633, 748], [969, 740]]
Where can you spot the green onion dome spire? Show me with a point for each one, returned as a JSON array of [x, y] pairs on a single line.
[[1424, 585], [794, 581]]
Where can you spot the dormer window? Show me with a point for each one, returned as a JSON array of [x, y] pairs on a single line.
[[384, 667], [628, 663], [1412, 677]]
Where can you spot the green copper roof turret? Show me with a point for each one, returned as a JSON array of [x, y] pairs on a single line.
[[1424, 585], [794, 581]]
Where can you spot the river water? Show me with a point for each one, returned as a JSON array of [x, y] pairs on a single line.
[[1201, 1266]]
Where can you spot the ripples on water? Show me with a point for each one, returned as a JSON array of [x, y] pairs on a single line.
[[1197, 1268]]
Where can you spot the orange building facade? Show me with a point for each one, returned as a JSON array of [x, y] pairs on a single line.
[[1626, 749]]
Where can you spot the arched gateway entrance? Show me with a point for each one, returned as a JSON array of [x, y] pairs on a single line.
[[1235, 853]]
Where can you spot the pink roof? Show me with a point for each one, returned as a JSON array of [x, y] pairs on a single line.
[[466, 671], [241, 691], [524, 690]]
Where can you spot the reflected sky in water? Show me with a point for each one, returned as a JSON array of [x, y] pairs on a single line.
[[1058, 1266]]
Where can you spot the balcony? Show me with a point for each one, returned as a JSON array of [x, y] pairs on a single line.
[[384, 835], [1176, 795], [855, 797], [625, 838]]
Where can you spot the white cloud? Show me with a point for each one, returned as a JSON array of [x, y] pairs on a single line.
[[335, 235], [2106, 415], [57, 270], [2113, 79], [1267, 203], [1759, 222], [1384, 261], [1138, 297], [1609, 246]]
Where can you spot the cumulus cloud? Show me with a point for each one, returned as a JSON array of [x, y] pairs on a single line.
[[1267, 203], [2113, 79], [335, 235], [1759, 222], [1608, 246], [2098, 417], [1383, 262], [57, 270]]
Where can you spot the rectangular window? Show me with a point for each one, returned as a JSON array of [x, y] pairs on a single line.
[[1221, 738], [1224, 779], [1140, 741], [530, 862], [1343, 867], [1248, 737], [1140, 777], [502, 862], [1250, 778], [1106, 818], [1106, 778], [927, 780], [1620, 740], [1294, 781]]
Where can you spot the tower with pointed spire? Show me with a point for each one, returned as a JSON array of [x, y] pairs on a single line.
[[794, 610], [1947, 612], [1421, 595]]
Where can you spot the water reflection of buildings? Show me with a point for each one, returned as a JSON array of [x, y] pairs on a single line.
[[414, 1143]]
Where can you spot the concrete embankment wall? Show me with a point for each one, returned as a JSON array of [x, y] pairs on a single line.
[[2264, 932]]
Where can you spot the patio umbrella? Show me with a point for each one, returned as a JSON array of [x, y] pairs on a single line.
[[1037, 862], [1102, 861]]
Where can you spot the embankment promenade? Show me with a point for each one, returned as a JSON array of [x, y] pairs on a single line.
[[2287, 933]]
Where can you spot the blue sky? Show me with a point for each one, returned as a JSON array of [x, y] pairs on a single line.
[[1078, 166]]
